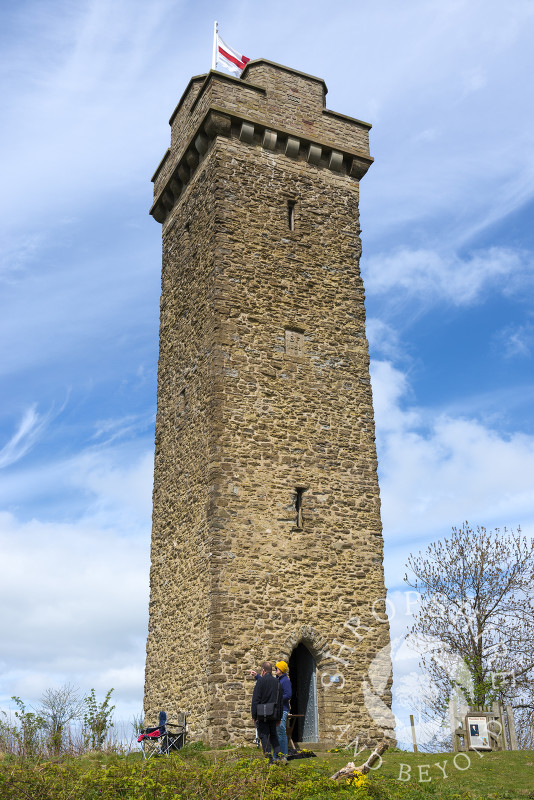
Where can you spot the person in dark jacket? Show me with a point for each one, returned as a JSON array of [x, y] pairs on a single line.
[[285, 683], [268, 690]]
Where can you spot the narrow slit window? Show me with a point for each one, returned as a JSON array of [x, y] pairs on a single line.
[[291, 214], [298, 507], [181, 403]]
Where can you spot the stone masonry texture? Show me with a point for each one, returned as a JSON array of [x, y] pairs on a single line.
[[264, 397]]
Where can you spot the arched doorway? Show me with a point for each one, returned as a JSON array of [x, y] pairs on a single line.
[[303, 677]]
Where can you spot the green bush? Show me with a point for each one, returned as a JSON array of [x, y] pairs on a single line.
[[194, 773], [25, 737], [179, 777], [97, 720]]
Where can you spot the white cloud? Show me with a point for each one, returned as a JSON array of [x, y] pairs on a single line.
[[383, 338], [78, 601], [77, 591], [390, 386], [438, 470], [122, 491], [426, 135], [431, 277], [445, 74]]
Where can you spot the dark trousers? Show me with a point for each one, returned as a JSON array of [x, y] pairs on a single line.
[[268, 737]]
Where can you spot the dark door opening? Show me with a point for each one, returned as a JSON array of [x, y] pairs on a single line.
[[304, 694]]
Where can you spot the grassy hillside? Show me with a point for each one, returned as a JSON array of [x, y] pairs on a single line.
[[479, 775], [243, 775]]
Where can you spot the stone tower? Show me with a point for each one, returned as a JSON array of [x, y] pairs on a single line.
[[266, 537]]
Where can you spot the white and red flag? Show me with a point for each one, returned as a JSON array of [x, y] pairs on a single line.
[[227, 56]]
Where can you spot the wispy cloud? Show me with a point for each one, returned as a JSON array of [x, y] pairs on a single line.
[[108, 430], [28, 433], [474, 80], [16, 254], [101, 485], [82, 71], [516, 340], [383, 338]]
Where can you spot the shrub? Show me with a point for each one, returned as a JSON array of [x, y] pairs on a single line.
[[97, 720]]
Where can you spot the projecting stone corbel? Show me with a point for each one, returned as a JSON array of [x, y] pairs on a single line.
[[191, 158], [358, 168], [269, 139], [176, 187], [183, 172], [167, 198], [292, 147], [202, 143], [314, 154], [217, 124], [159, 213], [246, 133], [336, 160]]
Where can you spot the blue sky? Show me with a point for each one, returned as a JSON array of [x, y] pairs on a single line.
[[446, 211]]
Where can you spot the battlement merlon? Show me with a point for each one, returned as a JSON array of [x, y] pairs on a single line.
[[275, 106]]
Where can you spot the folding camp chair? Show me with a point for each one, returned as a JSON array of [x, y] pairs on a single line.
[[165, 737]]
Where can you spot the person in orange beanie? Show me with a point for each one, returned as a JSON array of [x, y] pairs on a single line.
[[281, 673]]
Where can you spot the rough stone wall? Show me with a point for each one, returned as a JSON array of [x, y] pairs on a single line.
[[178, 648], [264, 389]]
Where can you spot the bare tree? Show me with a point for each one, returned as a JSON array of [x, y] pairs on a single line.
[[59, 707], [524, 722], [475, 623]]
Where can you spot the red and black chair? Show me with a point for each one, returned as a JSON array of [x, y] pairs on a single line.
[[162, 739]]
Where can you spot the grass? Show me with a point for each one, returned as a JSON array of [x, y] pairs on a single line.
[[484, 775], [242, 774]]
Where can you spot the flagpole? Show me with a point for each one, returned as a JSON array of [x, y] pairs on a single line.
[[214, 54]]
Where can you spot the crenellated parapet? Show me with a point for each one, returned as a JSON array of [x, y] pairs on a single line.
[[274, 116]]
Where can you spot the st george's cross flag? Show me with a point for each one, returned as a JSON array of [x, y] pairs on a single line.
[[230, 58]]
